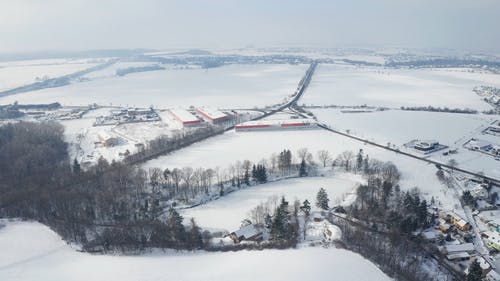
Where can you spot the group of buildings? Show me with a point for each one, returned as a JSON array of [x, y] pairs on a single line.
[[195, 117], [484, 147], [128, 115]]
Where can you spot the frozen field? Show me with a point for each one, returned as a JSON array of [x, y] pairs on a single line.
[[228, 212], [16, 74], [230, 147], [228, 86], [31, 251], [377, 86]]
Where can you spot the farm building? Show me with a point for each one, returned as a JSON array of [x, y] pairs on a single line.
[[106, 139], [295, 124], [185, 117], [249, 233], [212, 115], [426, 145]]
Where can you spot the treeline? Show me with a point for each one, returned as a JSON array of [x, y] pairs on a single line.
[[440, 109], [443, 63], [193, 186], [129, 70]]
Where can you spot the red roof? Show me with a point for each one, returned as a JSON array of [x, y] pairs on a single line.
[[251, 126], [294, 124]]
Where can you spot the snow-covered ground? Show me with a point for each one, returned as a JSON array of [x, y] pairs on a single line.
[[399, 127], [31, 251], [226, 149], [19, 73], [228, 212], [227, 86], [349, 85]]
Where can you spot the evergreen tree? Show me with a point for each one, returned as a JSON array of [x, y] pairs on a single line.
[[254, 173], [322, 199], [303, 169], [468, 199], [176, 228], [366, 165], [359, 160], [246, 178], [260, 174], [306, 207], [195, 238], [280, 224], [422, 213], [268, 220], [475, 272], [76, 167]]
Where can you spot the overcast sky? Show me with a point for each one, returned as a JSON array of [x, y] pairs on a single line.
[[48, 25]]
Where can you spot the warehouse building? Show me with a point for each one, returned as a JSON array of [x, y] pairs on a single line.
[[186, 118], [264, 125], [212, 115]]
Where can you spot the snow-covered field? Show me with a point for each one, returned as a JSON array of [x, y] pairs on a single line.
[[227, 86], [19, 73], [227, 212], [226, 149], [378, 86], [399, 127], [31, 251]]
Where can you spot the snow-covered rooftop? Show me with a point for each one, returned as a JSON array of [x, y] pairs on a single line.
[[247, 231], [278, 122], [211, 113], [184, 115], [466, 247]]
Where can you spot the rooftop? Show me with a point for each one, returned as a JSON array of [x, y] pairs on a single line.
[[211, 113], [184, 115], [466, 247]]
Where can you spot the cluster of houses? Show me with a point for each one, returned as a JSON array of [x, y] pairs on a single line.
[[490, 94]]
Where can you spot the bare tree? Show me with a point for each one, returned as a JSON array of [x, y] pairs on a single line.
[[302, 154], [324, 156]]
